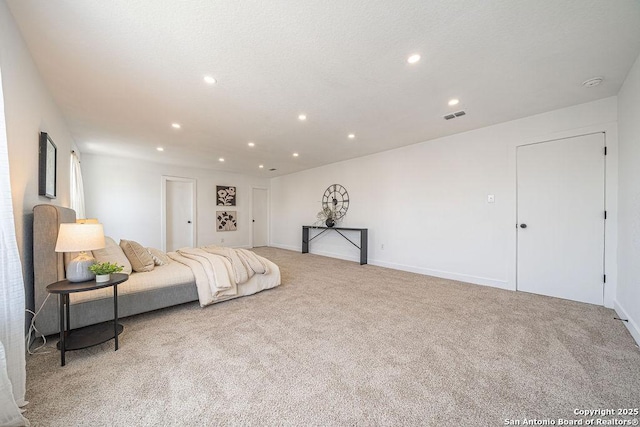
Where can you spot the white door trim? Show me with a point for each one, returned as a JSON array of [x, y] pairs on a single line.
[[163, 209], [268, 214]]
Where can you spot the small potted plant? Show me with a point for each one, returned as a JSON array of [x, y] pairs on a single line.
[[103, 270]]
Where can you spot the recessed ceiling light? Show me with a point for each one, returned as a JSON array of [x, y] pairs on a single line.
[[295, 154], [176, 125], [413, 59], [209, 80], [221, 159], [251, 144], [453, 102], [160, 149], [302, 117], [592, 82], [261, 166], [352, 135]]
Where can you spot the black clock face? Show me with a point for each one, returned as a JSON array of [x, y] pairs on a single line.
[[336, 200]]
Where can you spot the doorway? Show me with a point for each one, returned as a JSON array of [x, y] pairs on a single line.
[[561, 218], [260, 217], [178, 213]]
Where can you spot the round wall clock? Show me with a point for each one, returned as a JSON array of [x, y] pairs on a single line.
[[336, 201]]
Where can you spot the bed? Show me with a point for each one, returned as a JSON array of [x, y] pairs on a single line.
[[177, 281]]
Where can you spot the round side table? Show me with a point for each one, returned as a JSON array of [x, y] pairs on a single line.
[[89, 335]]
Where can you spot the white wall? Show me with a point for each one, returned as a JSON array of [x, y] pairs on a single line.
[[125, 195], [29, 109], [628, 293], [427, 203]]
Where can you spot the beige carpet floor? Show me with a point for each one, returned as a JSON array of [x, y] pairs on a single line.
[[344, 344]]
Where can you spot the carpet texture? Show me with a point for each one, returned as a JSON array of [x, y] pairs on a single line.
[[344, 344]]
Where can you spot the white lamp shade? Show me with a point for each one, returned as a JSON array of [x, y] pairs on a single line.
[[80, 237]]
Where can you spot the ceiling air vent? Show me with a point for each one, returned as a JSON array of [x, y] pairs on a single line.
[[454, 115], [272, 169]]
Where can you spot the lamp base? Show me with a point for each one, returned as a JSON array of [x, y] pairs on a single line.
[[78, 268]]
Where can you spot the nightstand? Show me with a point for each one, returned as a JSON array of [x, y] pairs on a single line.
[[90, 335]]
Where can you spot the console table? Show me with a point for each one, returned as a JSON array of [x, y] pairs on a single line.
[[364, 237]]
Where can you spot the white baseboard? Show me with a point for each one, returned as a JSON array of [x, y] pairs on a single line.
[[321, 253], [501, 284], [287, 247], [476, 280], [631, 325]]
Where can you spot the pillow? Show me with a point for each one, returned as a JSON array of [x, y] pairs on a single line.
[[138, 256], [159, 257], [112, 253]]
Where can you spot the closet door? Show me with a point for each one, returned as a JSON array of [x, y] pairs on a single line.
[[260, 217], [179, 213], [561, 204]]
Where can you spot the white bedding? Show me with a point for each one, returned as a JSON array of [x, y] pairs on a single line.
[[162, 276], [244, 263], [213, 273], [219, 271], [184, 271]]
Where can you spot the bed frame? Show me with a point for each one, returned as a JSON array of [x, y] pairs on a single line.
[[48, 267]]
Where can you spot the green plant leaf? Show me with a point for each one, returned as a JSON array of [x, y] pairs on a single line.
[[105, 268]]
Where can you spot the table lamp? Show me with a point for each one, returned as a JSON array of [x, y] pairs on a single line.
[[80, 238]]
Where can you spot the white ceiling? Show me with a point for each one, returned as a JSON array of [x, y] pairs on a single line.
[[123, 70]]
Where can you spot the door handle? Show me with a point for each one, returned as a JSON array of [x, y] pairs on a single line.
[[188, 222], [253, 220], [523, 225]]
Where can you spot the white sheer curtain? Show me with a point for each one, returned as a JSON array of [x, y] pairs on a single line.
[[12, 304], [77, 187]]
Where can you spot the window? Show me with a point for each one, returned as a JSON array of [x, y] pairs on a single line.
[[77, 187]]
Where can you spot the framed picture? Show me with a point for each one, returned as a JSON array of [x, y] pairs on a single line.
[[226, 196], [226, 220], [47, 174]]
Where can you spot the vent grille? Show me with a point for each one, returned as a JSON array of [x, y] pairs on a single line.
[[454, 115], [272, 169]]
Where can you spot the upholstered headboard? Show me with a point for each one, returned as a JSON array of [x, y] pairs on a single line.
[[48, 266]]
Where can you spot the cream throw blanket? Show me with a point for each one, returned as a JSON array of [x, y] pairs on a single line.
[[212, 273], [219, 270], [244, 263]]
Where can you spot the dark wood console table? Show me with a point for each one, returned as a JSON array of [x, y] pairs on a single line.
[[364, 237]]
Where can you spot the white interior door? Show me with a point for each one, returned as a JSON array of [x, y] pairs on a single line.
[[179, 209], [561, 218], [260, 217]]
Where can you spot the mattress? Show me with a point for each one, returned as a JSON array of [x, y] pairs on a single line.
[[171, 274]]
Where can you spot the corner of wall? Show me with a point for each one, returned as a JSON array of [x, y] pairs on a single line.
[[29, 109], [628, 321], [627, 298]]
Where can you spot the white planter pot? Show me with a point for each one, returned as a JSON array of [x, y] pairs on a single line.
[[103, 278]]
